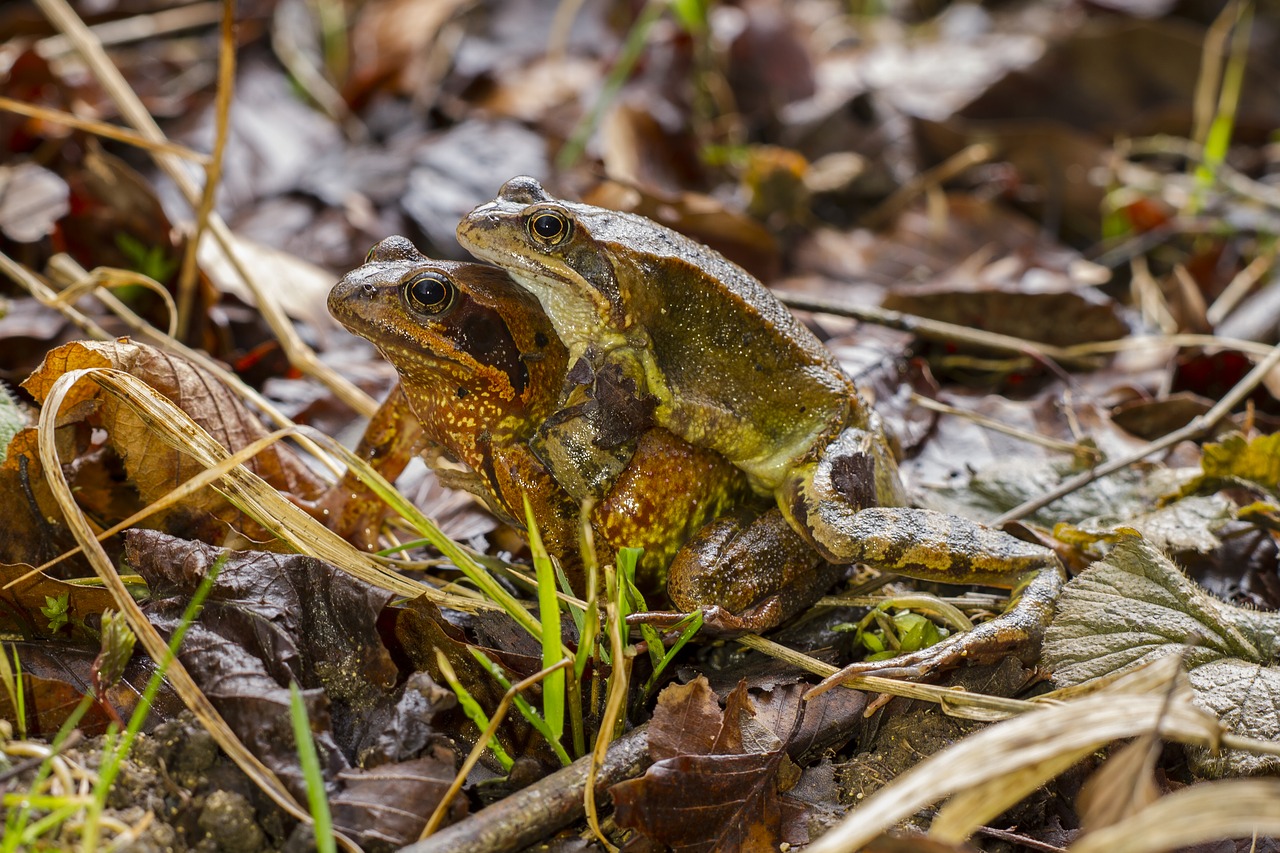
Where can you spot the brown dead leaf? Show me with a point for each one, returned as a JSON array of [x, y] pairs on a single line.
[[271, 620], [686, 721], [152, 467], [30, 534], [717, 780], [706, 803], [392, 44]]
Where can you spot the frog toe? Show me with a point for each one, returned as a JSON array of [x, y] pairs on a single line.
[[1018, 632]]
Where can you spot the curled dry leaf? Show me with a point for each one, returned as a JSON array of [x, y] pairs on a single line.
[[151, 466]]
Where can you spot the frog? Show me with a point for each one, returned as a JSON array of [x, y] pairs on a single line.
[[480, 369], [727, 367]]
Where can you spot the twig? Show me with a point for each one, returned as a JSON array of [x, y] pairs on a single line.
[[925, 327], [1198, 427], [544, 807], [100, 128]]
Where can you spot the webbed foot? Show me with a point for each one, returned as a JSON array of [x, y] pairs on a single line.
[[1018, 630]]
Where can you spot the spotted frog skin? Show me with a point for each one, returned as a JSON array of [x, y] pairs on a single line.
[[481, 369], [724, 366]]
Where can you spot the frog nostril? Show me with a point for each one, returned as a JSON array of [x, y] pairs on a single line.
[[369, 289]]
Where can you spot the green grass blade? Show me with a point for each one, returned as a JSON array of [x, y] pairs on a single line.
[[317, 800], [472, 709], [631, 50], [549, 614], [529, 712]]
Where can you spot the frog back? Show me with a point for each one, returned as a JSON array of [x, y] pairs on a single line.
[[733, 369]]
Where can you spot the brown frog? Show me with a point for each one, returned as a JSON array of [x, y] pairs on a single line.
[[481, 369], [726, 367]]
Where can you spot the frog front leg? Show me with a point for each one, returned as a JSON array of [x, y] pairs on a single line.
[[827, 502], [349, 507]]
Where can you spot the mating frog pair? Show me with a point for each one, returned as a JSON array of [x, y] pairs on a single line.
[[664, 336]]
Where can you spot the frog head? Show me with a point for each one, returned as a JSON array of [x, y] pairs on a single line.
[[464, 340], [548, 245]]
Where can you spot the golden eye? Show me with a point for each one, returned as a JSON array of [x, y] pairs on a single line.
[[429, 293], [550, 227], [368, 257]]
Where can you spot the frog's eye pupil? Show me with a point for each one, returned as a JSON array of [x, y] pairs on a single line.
[[429, 293], [549, 227]]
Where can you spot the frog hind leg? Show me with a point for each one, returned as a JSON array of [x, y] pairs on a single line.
[[929, 545], [746, 573], [1017, 631], [832, 503]]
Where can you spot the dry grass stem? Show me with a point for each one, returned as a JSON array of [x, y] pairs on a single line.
[[1135, 704], [66, 269], [100, 128], [299, 354], [155, 645], [138, 27], [188, 276]]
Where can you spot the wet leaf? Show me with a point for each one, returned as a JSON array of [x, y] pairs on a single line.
[[57, 677], [1136, 606]]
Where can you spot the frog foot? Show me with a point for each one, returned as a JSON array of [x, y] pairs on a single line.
[[1018, 630], [720, 622]]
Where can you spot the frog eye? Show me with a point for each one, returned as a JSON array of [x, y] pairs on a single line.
[[550, 227], [429, 293], [368, 256]]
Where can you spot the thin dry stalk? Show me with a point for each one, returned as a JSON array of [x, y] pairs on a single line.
[[188, 277], [65, 266], [151, 640], [299, 354], [499, 714], [99, 128]]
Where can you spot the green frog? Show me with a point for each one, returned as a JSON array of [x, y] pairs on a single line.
[[723, 365], [481, 369]]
